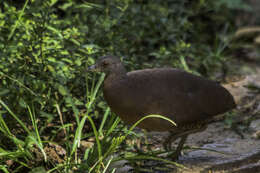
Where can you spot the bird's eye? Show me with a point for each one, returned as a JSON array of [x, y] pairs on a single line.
[[105, 63]]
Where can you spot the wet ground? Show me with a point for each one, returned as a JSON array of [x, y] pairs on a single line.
[[239, 154]]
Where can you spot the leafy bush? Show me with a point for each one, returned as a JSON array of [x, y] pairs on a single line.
[[47, 44]]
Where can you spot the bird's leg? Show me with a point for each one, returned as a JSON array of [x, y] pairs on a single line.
[[173, 137], [177, 152], [183, 135], [170, 139]]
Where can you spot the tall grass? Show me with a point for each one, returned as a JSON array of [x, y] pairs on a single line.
[[108, 138], [21, 153]]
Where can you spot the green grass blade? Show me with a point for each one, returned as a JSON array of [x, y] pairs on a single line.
[[103, 120], [18, 20], [145, 157], [107, 166], [150, 116], [96, 136], [77, 138], [3, 127], [114, 125], [15, 117], [4, 169]]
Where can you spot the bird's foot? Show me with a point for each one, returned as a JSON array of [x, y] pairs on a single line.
[[175, 155]]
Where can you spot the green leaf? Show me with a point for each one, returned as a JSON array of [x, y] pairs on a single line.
[[54, 30], [53, 2], [4, 92], [78, 62], [66, 5], [78, 102], [62, 90], [50, 68], [22, 103], [91, 60], [38, 170], [75, 41], [67, 60], [51, 59]]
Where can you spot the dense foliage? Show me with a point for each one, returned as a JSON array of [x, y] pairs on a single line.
[[45, 45]]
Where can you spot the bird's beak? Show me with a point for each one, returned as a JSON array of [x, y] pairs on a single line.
[[91, 68]]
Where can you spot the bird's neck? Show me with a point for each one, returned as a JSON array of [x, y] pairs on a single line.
[[117, 73]]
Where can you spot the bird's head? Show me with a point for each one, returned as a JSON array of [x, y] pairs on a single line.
[[107, 64]]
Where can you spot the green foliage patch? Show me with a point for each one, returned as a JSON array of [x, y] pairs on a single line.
[[46, 45]]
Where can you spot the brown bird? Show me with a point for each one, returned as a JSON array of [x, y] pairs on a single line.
[[190, 101]]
